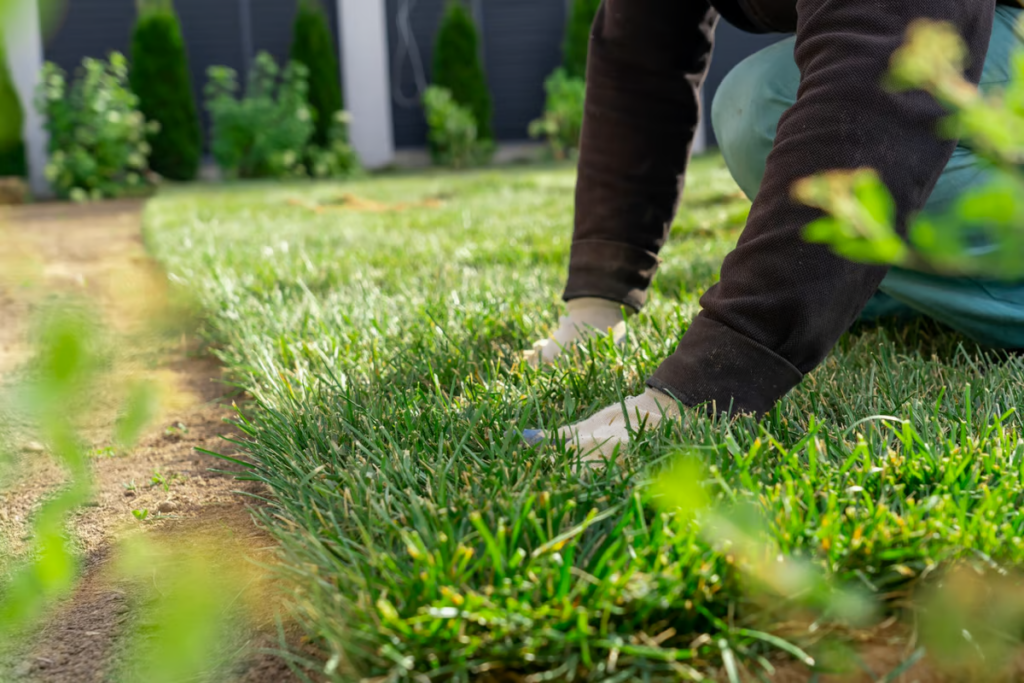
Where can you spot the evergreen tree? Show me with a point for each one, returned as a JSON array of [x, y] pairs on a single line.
[[577, 36], [12, 148], [160, 78], [313, 46], [457, 66]]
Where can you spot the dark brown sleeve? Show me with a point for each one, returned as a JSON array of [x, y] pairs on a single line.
[[648, 59], [782, 303]]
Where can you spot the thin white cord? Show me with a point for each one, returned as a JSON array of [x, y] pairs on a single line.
[[407, 48]]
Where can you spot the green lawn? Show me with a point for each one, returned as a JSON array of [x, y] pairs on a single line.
[[423, 539]]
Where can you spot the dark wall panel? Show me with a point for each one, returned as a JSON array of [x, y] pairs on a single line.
[[409, 125], [90, 28], [272, 26], [522, 46], [213, 33], [213, 37]]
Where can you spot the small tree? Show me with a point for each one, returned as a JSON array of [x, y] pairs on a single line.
[[457, 66], [160, 78], [12, 148], [313, 46], [577, 37]]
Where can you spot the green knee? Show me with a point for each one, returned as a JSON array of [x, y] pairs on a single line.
[[746, 111]]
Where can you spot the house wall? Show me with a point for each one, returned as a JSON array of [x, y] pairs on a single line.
[[222, 33], [521, 44]]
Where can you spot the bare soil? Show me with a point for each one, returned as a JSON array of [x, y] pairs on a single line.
[[96, 253]]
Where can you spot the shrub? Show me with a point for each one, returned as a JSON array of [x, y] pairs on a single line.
[[266, 132], [98, 144], [336, 159], [12, 148], [457, 66], [160, 77], [313, 47], [563, 114], [453, 132], [577, 37]]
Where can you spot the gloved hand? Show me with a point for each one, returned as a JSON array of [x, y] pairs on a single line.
[[597, 437], [586, 317]]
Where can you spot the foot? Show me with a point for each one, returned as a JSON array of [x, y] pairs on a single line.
[[597, 438], [587, 318]]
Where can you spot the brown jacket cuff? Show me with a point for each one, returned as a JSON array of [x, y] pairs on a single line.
[[717, 367], [610, 270]]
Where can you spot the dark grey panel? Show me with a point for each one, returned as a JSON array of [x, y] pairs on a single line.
[[409, 125], [272, 26], [522, 46], [90, 28], [732, 46], [213, 37]]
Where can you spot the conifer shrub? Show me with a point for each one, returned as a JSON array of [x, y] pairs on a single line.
[[313, 47], [12, 147], [577, 37], [457, 66], [159, 76]]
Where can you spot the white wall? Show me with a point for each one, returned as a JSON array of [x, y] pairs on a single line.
[[367, 79], [24, 43]]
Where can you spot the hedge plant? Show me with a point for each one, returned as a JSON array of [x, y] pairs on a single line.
[[160, 78], [12, 147], [313, 47], [577, 37], [457, 66]]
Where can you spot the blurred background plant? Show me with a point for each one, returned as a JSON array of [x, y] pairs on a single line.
[[577, 37], [98, 145], [454, 139], [268, 131], [159, 76], [313, 47], [262, 132], [337, 159], [12, 146], [562, 121], [457, 69], [982, 234]]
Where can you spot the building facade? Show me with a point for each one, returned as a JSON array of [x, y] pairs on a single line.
[[384, 49]]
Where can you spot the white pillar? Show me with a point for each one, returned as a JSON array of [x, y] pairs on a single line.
[[367, 79], [24, 45]]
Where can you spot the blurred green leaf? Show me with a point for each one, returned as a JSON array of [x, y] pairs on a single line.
[[139, 410], [680, 488]]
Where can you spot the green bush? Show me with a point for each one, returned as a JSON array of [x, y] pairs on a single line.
[[265, 133], [98, 144], [336, 159], [160, 77], [577, 37], [454, 140], [313, 47], [12, 148], [457, 66], [563, 114]]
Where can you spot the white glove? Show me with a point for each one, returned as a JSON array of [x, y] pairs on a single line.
[[597, 437], [587, 317]]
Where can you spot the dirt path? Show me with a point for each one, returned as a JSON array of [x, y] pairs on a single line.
[[96, 252]]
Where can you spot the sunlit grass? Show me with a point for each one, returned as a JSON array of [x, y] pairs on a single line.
[[423, 538]]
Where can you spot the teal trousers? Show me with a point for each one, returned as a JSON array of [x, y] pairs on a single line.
[[745, 115]]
